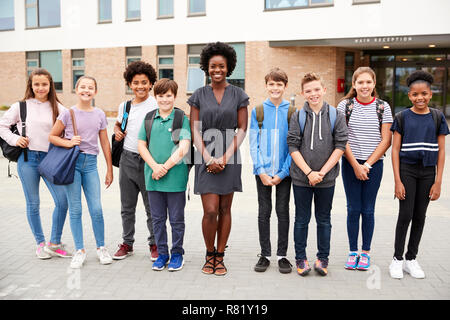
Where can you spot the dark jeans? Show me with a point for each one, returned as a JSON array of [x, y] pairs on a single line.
[[161, 204], [282, 197], [323, 199], [361, 197], [417, 180], [131, 183]]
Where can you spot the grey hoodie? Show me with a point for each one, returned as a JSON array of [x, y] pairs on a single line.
[[317, 143]]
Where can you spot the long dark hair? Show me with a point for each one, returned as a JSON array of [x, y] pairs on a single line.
[[52, 97], [352, 93]]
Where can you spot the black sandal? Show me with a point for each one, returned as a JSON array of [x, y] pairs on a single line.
[[220, 262], [210, 263]]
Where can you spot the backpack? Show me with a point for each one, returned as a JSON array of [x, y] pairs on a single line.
[[379, 109], [435, 113], [260, 115], [12, 153], [176, 125], [332, 114], [117, 146]]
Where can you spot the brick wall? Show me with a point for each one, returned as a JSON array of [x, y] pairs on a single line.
[[14, 79]]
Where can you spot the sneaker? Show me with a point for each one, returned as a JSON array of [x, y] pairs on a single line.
[[284, 265], [262, 264], [413, 268], [153, 252], [57, 250], [303, 267], [123, 252], [396, 268], [321, 267], [78, 259], [41, 252], [176, 262], [352, 261], [161, 262], [103, 256], [364, 262]]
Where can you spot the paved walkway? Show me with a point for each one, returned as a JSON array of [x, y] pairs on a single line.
[[23, 276]]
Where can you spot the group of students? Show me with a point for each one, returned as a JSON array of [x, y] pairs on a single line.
[[288, 147]]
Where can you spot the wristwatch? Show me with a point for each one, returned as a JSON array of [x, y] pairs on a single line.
[[367, 165]]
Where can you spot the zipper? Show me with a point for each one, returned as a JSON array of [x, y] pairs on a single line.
[[275, 141]]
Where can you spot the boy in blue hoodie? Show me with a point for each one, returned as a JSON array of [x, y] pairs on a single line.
[[271, 163]]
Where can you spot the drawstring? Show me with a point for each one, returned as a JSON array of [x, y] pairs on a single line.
[[312, 130], [320, 125]]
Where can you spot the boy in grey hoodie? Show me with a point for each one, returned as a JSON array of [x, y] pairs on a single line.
[[317, 139]]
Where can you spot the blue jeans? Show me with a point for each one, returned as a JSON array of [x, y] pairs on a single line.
[[323, 200], [171, 203], [361, 197], [30, 178], [86, 176]]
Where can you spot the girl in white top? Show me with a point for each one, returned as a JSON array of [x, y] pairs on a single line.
[[43, 108], [369, 120]]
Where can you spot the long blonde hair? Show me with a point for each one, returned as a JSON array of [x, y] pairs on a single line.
[[352, 93], [52, 97]]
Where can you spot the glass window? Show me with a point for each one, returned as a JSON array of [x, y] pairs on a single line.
[[196, 76], [420, 57], [132, 54], [382, 58], [32, 61], [165, 61], [43, 13], [286, 4], [104, 11], [165, 8], [133, 9], [77, 66], [349, 69], [6, 14], [197, 7], [52, 62], [238, 76], [31, 13]]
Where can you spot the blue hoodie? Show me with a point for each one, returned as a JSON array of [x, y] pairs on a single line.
[[269, 151]]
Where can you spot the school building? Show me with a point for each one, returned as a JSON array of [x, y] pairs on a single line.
[[331, 37]]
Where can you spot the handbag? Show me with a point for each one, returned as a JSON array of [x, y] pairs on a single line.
[[58, 166], [12, 153], [117, 146]]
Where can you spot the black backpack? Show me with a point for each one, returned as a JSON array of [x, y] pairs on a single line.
[[176, 126], [12, 153]]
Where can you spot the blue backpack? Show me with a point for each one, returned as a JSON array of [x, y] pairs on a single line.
[[332, 113]]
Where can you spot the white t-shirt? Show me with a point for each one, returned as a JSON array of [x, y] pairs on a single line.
[[135, 120]]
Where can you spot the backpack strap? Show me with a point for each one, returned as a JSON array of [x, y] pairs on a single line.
[[126, 113], [380, 111], [148, 122], [23, 118], [302, 120], [332, 113], [177, 124], [348, 110], [436, 114], [260, 115], [291, 111]]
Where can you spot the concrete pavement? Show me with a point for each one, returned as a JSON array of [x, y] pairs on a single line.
[[23, 276]]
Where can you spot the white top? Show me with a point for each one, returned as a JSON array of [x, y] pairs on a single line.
[[39, 123], [363, 127], [135, 120]]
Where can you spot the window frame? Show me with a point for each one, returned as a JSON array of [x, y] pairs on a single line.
[[166, 66], [136, 58], [158, 16], [309, 6], [193, 66], [14, 20], [38, 60], [98, 14], [38, 26], [195, 14], [357, 2], [126, 12], [77, 68]]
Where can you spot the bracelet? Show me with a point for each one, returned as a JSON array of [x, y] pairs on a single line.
[[210, 161], [367, 165], [309, 172]]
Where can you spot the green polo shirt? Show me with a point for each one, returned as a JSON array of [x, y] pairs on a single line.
[[161, 147]]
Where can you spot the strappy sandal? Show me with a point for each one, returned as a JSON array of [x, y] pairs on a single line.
[[219, 265], [210, 262]]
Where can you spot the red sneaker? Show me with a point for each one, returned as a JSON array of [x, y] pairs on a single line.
[[123, 252], [153, 252]]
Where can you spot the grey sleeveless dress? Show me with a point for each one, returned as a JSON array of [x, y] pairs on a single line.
[[218, 127]]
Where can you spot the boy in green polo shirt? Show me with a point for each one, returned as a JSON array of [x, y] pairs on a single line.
[[166, 174]]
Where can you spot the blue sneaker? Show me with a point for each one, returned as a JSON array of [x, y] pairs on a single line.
[[352, 261], [364, 262], [176, 262], [161, 262]]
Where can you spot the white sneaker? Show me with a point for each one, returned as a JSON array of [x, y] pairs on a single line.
[[78, 259], [414, 269], [395, 269], [104, 256], [41, 252]]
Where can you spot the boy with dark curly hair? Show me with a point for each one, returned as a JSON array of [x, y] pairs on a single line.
[[140, 77]]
